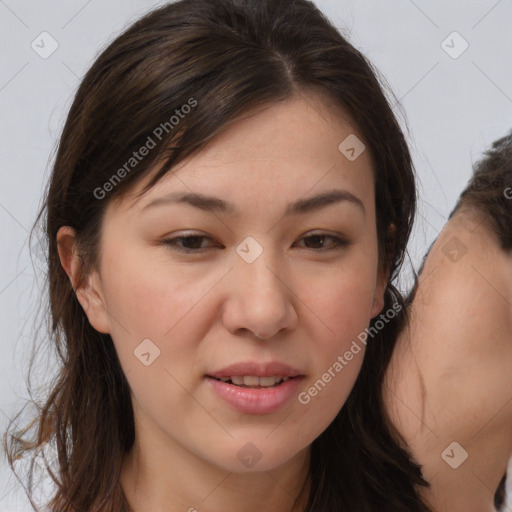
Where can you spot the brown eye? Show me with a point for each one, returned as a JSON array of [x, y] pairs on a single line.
[[193, 243], [320, 238], [189, 243]]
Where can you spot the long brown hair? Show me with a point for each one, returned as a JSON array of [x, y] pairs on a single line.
[[227, 56]]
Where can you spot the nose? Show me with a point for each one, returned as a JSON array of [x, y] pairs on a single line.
[[260, 298]]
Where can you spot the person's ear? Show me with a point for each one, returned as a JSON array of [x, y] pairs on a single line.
[[384, 273], [87, 288]]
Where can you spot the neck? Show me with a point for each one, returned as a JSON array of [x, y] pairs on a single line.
[[172, 479]]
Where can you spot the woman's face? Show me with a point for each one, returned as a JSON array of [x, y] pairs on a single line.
[[263, 259]]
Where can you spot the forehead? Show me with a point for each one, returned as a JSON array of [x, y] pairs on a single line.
[[277, 152]]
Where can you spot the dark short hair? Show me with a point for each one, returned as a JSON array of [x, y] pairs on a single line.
[[490, 190]]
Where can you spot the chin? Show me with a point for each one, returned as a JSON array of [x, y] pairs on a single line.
[[257, 456]]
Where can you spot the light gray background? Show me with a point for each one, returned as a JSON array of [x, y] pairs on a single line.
[[454, 109]]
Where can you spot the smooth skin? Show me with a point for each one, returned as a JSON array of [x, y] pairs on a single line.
[[450, 376], [307, 299]]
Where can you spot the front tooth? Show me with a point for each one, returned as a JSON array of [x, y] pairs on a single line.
[[268, 381], [251, 380]]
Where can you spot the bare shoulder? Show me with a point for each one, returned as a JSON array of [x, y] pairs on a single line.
[[448, 388]]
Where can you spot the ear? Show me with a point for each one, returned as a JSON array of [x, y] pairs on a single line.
[[89, 291], [383, 274]]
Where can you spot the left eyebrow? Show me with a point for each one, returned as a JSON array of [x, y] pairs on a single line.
[[301, 206]]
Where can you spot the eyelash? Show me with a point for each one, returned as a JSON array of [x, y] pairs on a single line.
[[339, 243]]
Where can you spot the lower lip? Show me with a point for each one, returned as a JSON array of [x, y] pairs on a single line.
[[256, 400]]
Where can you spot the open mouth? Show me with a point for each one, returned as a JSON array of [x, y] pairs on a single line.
[[254, 382], [251, 394]]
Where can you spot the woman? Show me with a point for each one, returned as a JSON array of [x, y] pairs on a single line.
[[228, 375]]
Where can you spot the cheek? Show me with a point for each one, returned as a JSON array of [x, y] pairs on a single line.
[[147, 303], [345, 313], [151, 298], [156, 333], [336, 357], [343, 301], [340, 315]]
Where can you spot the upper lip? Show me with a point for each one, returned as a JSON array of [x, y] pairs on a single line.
[[256, 369]]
